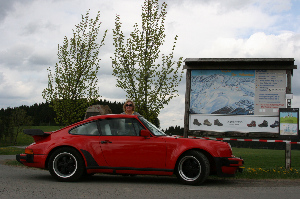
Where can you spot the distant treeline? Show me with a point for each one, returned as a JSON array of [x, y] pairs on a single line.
[[42, 114], [177, 130]]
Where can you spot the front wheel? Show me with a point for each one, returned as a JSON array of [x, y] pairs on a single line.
[[192, 168], [66, 164]]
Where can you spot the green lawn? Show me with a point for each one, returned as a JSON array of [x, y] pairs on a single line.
[[266, 158], [25, 140], [10, 150], [267, 163]]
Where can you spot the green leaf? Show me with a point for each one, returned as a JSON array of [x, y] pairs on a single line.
[[72, 86], [147, 77]]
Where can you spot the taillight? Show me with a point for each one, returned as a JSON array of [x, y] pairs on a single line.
[[28, 151]]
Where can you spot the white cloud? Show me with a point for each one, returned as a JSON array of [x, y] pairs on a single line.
[[14, 90], [16, 56], [31, 30], [257, 45], [269, 6], [296, 101], [173, 115], [107, 88]]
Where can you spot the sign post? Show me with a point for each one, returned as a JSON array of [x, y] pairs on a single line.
[[288, 156]]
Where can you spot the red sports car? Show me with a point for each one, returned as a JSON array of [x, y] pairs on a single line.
[[123, 144]]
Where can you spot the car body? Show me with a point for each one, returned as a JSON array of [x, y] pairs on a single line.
[[126, 144]]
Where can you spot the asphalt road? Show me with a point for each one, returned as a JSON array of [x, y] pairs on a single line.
[[22, 182]]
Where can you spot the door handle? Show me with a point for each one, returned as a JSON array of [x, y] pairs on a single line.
[[105, 141]]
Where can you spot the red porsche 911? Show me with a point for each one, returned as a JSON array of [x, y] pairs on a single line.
[[126, 144]]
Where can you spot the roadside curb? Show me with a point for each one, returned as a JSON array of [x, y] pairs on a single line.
[[20, 147]]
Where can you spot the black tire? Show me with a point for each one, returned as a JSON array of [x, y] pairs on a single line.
[[66, 165], [192, 168]]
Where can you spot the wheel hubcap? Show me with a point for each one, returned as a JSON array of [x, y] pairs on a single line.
[[189, 168], [65, 165]]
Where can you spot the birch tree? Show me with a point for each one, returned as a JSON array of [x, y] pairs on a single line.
[[72, 86], [149, 77]]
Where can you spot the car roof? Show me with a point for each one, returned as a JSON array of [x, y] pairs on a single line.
[[98, 117], [111, 116]]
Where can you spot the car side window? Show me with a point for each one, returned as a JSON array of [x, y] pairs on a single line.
[[120, 127], [89, 128], [137, 126]]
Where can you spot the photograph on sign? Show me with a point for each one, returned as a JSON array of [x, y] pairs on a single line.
[[289, 121], [244, 123]]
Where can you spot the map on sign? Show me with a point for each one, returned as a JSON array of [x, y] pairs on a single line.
[[222, 92]]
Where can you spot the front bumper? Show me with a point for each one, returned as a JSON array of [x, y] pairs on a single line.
[[228, 166]]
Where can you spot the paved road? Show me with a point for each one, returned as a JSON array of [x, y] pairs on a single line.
[[21, 182]]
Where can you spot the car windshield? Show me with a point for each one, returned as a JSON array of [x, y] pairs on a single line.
[[152, 127]]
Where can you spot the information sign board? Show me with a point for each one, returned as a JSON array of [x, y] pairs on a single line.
[[237, 95]]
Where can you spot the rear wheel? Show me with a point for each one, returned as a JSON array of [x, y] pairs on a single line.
[[66, 164], [192, 168]]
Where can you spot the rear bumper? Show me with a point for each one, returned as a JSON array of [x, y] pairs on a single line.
[[32, 160], [24, 158], [227, 167]]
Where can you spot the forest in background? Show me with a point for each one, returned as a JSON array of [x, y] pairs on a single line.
[[42, 114]]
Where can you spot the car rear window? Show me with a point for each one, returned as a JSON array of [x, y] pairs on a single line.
[[89, 128]]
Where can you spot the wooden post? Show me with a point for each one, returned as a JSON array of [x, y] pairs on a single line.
[[288, 155], [289, 87], [187, 103]]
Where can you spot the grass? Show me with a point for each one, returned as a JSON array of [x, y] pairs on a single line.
[[264, 158], [272, 173], [14, 163], [267, 164], [10, 150], [25, 140]]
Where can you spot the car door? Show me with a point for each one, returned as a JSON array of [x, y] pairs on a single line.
[[122, 146], [86, 138]]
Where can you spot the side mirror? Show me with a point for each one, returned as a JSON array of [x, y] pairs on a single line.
[[145, 133]]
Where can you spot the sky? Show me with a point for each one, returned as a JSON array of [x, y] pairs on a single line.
[[30, 31]]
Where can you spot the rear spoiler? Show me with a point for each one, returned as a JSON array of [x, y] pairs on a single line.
[[33, 132], [37, 134]]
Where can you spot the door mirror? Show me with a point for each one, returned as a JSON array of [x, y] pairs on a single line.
[[145, 133]]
